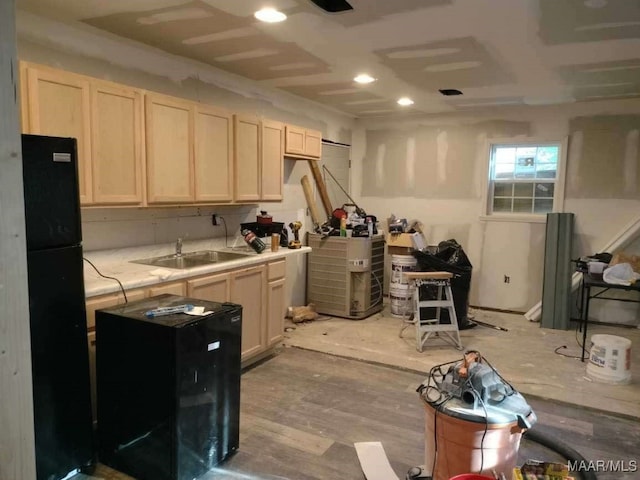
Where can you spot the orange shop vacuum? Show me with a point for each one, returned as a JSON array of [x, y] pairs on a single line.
[[474, 420]]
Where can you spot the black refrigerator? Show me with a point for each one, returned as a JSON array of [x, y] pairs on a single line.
[[59, 348], [168, 387]]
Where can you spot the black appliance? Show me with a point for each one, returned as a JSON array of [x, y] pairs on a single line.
[[59, 348], [168, 387], [267, 229]]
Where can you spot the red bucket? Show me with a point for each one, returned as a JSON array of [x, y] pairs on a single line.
[[470, 476]]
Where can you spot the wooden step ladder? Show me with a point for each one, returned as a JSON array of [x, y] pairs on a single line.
[[444, 299]]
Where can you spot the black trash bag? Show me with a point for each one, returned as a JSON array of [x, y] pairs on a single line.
[[448, 257]]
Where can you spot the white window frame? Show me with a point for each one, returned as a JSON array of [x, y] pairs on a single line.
[[558, 197]]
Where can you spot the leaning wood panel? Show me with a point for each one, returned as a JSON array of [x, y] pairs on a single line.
[[17, 453]]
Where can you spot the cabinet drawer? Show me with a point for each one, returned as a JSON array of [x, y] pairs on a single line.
[[276, 270]]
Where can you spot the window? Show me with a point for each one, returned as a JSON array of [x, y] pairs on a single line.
[[526, 179]]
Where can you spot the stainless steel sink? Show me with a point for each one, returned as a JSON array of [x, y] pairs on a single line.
[[191, 260]]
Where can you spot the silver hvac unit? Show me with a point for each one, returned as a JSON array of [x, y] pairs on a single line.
[[344, 275]]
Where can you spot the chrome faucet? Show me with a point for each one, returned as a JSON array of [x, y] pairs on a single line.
[[179, 247]]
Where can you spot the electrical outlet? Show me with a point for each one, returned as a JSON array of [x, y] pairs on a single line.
[[214, 219], [507, 279]]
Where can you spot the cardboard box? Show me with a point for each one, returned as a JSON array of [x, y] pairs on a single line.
[[391, 250], [400, 240]]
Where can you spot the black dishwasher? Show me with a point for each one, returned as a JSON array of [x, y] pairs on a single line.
[[168, 387]]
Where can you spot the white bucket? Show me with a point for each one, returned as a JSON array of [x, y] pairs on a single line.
[[609, 359], [400, 297], [399, 265]]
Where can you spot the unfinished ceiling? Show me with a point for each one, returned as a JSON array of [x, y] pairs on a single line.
[[497, 52]]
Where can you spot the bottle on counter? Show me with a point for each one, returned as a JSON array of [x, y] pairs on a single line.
[[343, 226], [252, 240], [370, 226]]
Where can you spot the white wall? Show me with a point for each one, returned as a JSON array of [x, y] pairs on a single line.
[[439, 162]]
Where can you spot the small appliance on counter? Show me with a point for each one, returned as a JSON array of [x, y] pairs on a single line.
[[264, 226], [168, 386]]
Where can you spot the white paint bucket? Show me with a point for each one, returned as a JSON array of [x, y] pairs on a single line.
[[399, 265], [609, 359], [400, 297]]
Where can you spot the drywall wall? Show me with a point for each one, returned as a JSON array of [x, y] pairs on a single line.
[[433, 169]]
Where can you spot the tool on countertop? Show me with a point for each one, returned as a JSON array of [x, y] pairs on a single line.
[[162, 311], [295, 227]]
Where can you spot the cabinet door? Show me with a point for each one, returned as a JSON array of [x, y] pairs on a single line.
[[248, 288], [169, 131], [213, 156], [105, 301], [247, 164], [174, 288], [59, 106], [116, 141], [294, 140], [215, 288], [275, 311], [313, 143], [272, 160]]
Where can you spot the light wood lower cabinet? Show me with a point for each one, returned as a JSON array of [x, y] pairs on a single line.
[[214, 288], [261, 292], [174, 288], [249, 289]]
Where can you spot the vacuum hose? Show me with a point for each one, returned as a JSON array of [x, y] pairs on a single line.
[[560, 447]]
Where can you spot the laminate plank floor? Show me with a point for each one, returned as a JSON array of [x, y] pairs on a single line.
[[525, 354], [302, 411]]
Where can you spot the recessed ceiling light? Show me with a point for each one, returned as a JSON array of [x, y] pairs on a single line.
[[405, 101], [364, 78], [270, 15]]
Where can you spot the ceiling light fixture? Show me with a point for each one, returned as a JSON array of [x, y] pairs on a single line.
[[270, 15], [405, 101], [364, 78]]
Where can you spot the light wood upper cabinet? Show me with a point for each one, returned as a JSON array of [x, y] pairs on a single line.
[[247, 158], [313, 143], [213, 155], [116, 143], [294, 140], [272, 160], [301, 142], [58, 104], [169, 138]]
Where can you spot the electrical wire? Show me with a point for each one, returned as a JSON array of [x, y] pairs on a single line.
[[556, 351], [126, 300], [380, 297], [486, 424]]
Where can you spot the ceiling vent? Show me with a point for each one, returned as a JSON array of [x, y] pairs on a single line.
[[450, 91], [333, 6]]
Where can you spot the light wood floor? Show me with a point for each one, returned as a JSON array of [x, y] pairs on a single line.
[[301, 412]]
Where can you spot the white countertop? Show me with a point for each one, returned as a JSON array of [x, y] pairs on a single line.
[[117, 263]]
